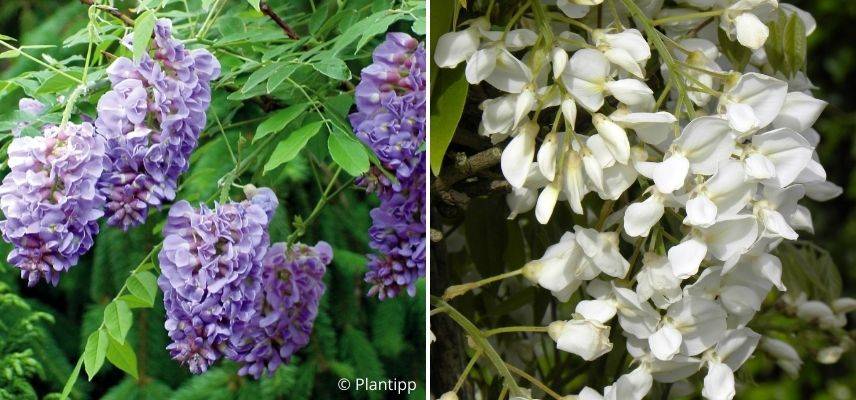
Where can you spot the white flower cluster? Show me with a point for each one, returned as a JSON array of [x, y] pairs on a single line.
[[730, 153]]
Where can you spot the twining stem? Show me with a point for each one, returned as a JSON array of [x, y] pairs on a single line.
[[467, 369], [457, 290], [481, 342], [687, 17], [534, 381], [112, 11], [514, 329]]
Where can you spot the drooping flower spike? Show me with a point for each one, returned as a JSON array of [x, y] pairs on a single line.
[[390, 119], [151, 120], [50, 201]]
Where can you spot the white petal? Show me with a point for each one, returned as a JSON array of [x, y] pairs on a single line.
[[700, 211], [665, 343], [559, 58], [510, 74], [518, 39], [640, 217], [686, 257], [799, 112], [572, 10], [614, 136], [573, 183], [520, 200], [751, 32], [633, 386], [742, 118], [454, 47], [759, 167], [481, 65], [776, 224], [569, 112], [623, 59], [524, 104], [736, 346], [705, 142], [631, 92], [547, 155], [787, 150], [498, 115], [652, 128], [765, 94], [701, 322], [519, 154], [807, 19], [631, 41], [801, 219], [594, 171], [596, 310], [731, 237], [586, 339], [719, 382], [585, 78], [671, 173], [546, 203]]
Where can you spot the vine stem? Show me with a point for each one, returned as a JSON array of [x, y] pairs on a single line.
[[457, 290], [688, 17], [466, 371], [267, 10], [482, 343], [534, 381], [40, 62], [514, 329], [300, 227]]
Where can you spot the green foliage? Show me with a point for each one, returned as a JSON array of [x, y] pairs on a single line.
[[278, 119]]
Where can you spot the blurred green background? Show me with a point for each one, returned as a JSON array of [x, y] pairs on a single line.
[[43, 329]]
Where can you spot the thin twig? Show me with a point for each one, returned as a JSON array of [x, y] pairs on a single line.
[[112, 11], [267, 10]]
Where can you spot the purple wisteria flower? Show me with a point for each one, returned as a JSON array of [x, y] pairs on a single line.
[[151, 120], [390, 118], [49, 199], [292, 288], [211, 270]]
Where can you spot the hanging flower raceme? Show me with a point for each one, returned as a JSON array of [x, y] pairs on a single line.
[[151, 120], [723, 160], [211, 277], [49, 199], [292, 287], [390, 119]]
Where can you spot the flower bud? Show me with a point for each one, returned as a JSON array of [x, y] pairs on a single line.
[[449, 396]]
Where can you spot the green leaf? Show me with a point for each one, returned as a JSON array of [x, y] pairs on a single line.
[[279, 120], [735, 52], [10, 54], [144, 26], [143, 286], [287, 149], [122, 356], [283, 72], [258, 76], [330, 65], [95, 351], [255, 4], [347, 151], [118, 319], [795, 46], [447, 105], [58, 82]]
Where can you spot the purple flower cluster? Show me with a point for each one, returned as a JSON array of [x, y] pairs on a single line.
[[292, 286], [211, 269], [390, 118], [228, 293], [50, 200], [151, 120]]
